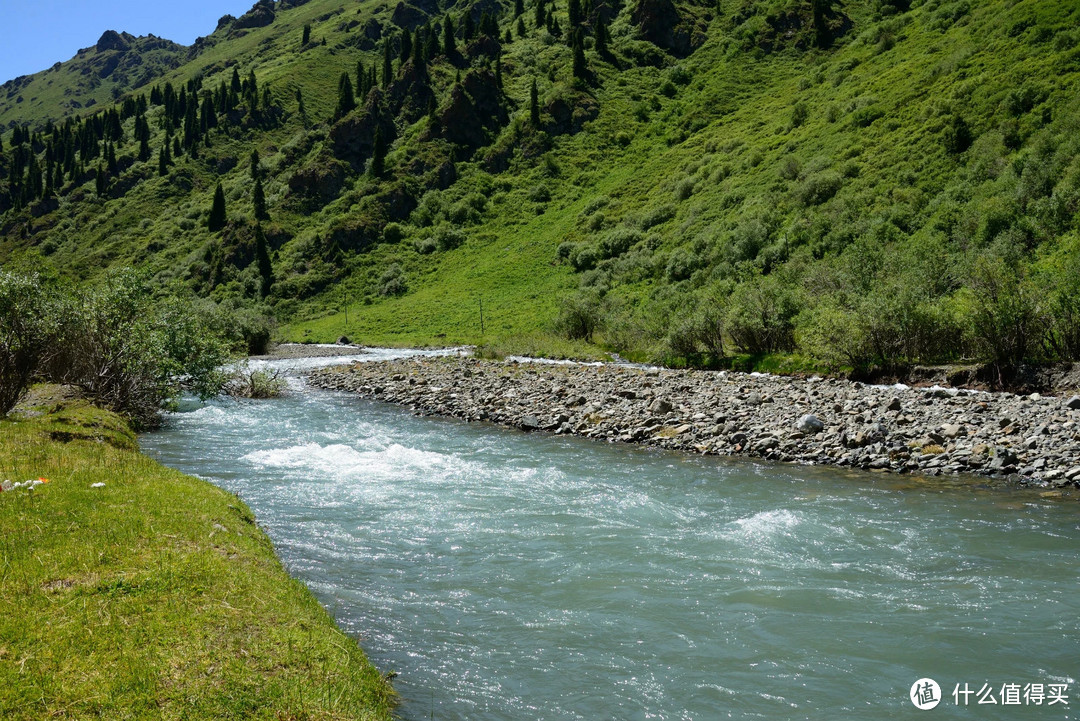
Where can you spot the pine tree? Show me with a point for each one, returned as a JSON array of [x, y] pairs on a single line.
[[99, 181], [234, 84], [262, 260], [601, 36], [573, 12], [300, 103], [521, 31], [519, 8], [361, 80], [259, 201], [540, 16], [176, 146], [387, 65], [577, 42], [307, 36], [217, 218], [164, 158], [468, 27], [253, 167], [405, 46], [346, 101], [449, 41], [378, 154], [110, 158], [534, 105]]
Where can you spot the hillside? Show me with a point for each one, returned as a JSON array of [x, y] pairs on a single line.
[[866, 183]]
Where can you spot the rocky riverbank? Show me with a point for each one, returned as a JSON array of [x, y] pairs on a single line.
[[1032, 439]]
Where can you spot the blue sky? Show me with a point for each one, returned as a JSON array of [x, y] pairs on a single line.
[[38, 33]]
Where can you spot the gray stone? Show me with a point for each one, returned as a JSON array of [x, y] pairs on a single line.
[[1073, 403], [810, 424], [893, 405], [754, 399], [660, 406], [952, 430]]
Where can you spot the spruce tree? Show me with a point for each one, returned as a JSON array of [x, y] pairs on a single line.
[[300, 103], [164, 158], [601, 36], [259, 201], [519, 8], [405, 46], [534, 105], [521, 31], [378, 154], [254, 164], [262, 260], [217, 218], [307, 35], [346, 101], [540, 15], [573, 12], [387, 65], [99, 181], [449, 41], [468, 27], [110, 158], [577, 42]]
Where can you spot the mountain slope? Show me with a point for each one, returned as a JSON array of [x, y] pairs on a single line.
[[861, 183]]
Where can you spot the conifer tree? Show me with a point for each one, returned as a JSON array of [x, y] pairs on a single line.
[[378, 154], [262, 260], [176, 146], [217, 218], [307, 36], [253, 166], [164, 158], [601, 36], [577, 42], [361, 80], [300, 103], [468, 27], [534, 105], [110, 158], [573, 13], [405, 49], [234, 84], [346, 101], [519, 8], [387, 65], [259, 201], [99, 181], [449, 41], [521, 32], [540, 16]]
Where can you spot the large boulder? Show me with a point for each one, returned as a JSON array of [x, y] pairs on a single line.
[[112, 40], [663, 25], [260, 15]]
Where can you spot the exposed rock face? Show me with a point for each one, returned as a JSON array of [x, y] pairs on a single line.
[[1033, 440], [112, 40], [260, 15], [474, 110], [407, 15], [663, 25], [353, 137], [319, 182]]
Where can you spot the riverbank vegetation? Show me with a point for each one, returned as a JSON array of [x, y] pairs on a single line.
[[127, 348], [178, 610], [873, 183]]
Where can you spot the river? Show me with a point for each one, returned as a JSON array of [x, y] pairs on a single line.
[[506, 575]]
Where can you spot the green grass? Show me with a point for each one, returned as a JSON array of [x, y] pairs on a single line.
[[155, 596], [816, 165]]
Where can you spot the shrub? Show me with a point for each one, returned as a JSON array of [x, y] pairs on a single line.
[[425, 246], [819, 188], [392, 282], [245, 382], [1002, 313], [580, 316], [134, 355], [760, 315], [448, 238], [393, 233], [618, 241], [29, 315]]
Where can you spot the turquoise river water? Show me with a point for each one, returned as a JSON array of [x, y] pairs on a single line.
[[513, 576]]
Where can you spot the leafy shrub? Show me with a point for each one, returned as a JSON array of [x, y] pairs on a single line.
[[246, 382], [133, 354], [618, 241], [819, 188], [580, 316], [393, 233], [425, 246], [1002, 312], [29, 325], [392, 282], [448, 238], [539, 193], [657, 216], [760, 315]]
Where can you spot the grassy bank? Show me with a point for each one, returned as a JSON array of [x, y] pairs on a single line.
[[155, 595]]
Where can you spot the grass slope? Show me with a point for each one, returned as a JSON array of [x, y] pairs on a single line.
[[156, 595], [748, 157]]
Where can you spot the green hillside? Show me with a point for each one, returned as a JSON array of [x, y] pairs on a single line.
[[862, 183]]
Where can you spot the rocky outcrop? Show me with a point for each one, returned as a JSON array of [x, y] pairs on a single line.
[[474, 110], [407, 15], [1032, 439], [260, 15], [663, 25], [319, 182], [112, 40]]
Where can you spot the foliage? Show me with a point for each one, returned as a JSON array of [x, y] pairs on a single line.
[[29, 325]]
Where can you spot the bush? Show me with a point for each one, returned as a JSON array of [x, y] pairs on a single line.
[[29, 314], [819, 188], [393, 233], [580, 316], [618, 241], [392, 282], [448, 238], [244, 382], [760, 315], [134, 355], [1002, 313]]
